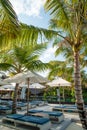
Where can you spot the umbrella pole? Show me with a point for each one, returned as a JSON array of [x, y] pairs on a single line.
[[63, 95], [35, 93], [28, 95], [58, 95]]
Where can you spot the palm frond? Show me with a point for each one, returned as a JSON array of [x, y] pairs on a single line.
[[30, 35], [5, 66], [59, 11], [37, 65], [9, 25]]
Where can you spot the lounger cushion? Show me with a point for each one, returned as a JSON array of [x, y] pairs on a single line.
[[14, 116], [21, 105], [50, 113], [53, 113], [35, 111], [5, 108], [71, 107], [60, 106], [34, 119]]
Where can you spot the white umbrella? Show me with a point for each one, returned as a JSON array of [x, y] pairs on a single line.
[[30, 77], [5, 89], [37, 86], [8, 87], [3, 82], [18, 78], [34, 85], [21, 77], [57, 83]]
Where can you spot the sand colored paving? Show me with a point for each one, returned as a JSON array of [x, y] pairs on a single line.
[[74, 126]]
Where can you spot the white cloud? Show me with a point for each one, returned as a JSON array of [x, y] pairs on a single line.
[[48, 54], [28, 7]]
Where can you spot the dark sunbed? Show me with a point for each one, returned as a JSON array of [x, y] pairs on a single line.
[[66, 108], [5, 109], [53, 116], [18, 120]]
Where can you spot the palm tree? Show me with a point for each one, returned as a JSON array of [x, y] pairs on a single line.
[[22, 59], [70, 17], [19, 58], [67, 52], [61, 68]]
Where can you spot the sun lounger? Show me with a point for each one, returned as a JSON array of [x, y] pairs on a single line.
[[38, 103], [33, 105], [53, 116], [18, 120], [22, 106], [66, 108], [71, 109], [14, 116], [5, 109]]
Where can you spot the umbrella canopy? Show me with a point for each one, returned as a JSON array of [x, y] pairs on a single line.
[[36, 78], [18, 78], [3, 82], [58, 82], [37, 86], [34, 85], [7, 87], [21, 77]]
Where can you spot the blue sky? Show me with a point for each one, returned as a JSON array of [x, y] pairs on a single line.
[[32, 12]]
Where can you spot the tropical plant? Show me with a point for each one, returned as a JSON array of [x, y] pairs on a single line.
[[19, 58], [70, 17], [60, 69], [66, 51]]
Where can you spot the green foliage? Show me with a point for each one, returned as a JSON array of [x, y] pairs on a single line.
[[23, 58], [9, 24]]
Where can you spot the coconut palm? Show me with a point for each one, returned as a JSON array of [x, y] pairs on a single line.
[[61, 68], [18, 59], [70, 17], [22, 59], [67, 52]]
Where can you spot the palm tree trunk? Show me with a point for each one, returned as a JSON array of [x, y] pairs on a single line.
[[78, 91], [14, 105]]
